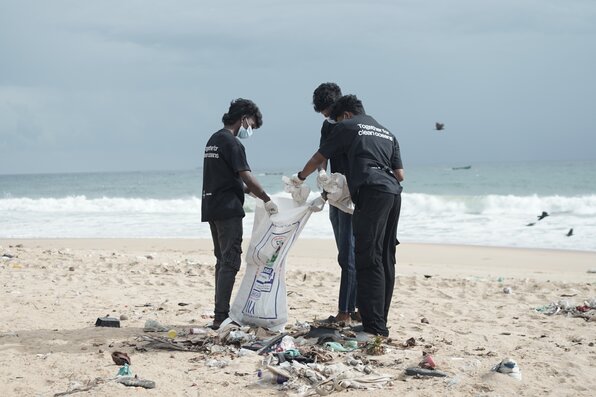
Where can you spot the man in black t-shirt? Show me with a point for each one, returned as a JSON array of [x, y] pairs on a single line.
[[226, 178], [374, 171], [323, 98]]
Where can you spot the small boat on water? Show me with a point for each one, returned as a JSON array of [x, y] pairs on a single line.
[[465, 167]]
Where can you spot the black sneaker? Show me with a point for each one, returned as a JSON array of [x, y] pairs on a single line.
[[215, 325]]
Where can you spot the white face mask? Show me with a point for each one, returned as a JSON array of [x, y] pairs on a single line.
[[330, 120], [244, 133]]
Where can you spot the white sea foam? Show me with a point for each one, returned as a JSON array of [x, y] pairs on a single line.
[[415, 203], [78, 204], [485, 220], [496, 204]]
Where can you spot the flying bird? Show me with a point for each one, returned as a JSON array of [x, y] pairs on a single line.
[[439, 126], [570, 232], [543, 215]]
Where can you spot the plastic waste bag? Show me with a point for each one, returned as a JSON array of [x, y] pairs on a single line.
[[299, 193], [261, 298], [337, 190]]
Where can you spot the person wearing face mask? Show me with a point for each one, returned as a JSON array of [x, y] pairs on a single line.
[[374, 173], [324, 96], [226, 178]]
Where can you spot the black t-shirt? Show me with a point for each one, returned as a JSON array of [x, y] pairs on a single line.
[[223, 189], [337, 163], [372, 154]]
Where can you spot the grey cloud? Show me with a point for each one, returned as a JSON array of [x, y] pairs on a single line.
[[146, 83]]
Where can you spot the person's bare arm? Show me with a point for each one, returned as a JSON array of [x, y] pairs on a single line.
[[322, 166], [399, 174], [253, 186]]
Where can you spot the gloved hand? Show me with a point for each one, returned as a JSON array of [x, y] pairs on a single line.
[[322, 179], [317, 204], [296, 181], [271, 207]]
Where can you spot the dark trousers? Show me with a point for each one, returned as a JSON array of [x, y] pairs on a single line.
[[227, 244], [375, 230], [344, 239]]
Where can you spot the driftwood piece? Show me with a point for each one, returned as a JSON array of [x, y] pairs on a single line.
[[90, 385]]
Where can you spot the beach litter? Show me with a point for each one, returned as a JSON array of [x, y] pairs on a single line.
[[124, 370], [509, 367], [297, 361], [154, 326], [135, 381], [126, 378], [123, 377], [120, 358], [337, 347], [107, 321], [427, 361], [240, 336], [420, 372], [321, 378], [426, 368], [587, 311]]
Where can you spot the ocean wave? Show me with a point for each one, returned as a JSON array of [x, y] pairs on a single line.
[[492, 205], [500, 220], [413, 204], [76, 204]]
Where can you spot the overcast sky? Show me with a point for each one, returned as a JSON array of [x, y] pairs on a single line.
[[141, 85]]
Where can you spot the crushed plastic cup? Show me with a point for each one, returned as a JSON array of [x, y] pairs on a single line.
[[509, 367], [287, 343], [153, 326]]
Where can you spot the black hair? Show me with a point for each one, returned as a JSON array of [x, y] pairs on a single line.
[[242, 107], [347, 103], [325, 95]]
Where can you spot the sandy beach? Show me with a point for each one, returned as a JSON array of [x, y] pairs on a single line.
[[54, 290]]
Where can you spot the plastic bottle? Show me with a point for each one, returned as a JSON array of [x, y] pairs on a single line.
[[267, 377], [273, 258]]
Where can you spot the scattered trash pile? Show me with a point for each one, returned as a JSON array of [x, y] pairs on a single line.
[[587, 311], [308, 359], [305, 360]]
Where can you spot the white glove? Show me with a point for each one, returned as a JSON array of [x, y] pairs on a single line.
[[317, 204], [271, 207], [295, 180], [322, 179]]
